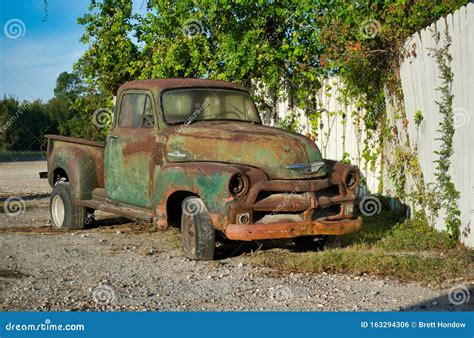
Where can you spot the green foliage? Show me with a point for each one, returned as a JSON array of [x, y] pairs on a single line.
[[263, 45], [404, 267], [364, 41], [70, 113], [290, 123], [91, 116], [409, 250], [23, 124], [280, 48], [415, 235], [68, 86], [418, 118], [108, 61], [346, 158], [75, 108], [445, 190]]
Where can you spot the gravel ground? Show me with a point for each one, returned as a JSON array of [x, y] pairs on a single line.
[[22, 179], [118, 265]]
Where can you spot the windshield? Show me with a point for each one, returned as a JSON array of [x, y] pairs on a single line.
[[199, 104]]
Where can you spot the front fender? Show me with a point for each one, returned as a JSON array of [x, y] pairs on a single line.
[[209, 181]]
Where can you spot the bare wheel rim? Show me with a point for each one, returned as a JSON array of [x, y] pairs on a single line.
[[57, 211]]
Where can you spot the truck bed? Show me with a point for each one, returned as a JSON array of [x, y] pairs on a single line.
[[75, 140], [82, 160]]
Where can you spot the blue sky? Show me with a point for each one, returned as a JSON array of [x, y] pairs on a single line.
[[32, 57]]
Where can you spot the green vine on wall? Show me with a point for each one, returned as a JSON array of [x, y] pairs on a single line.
[[444, 188]]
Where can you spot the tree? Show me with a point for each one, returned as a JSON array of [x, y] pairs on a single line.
[[68, 86], [108, 61], [23, 124], [275, 48]]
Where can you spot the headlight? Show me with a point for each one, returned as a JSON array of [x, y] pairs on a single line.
[[351, 179], [239, 184]]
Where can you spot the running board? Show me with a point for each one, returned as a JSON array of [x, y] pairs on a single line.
[[137, 214]]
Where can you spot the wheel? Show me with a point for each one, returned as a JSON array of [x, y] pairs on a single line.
[[198, 236], [310, 242], [64, 213]]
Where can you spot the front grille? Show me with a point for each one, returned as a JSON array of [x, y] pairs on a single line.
[[332, 210], [328, 192]]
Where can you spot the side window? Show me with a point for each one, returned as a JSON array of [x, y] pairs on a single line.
[[135, 111]]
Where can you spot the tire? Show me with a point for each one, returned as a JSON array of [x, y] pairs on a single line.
[[198, 235], [310, 242], [64, 213]]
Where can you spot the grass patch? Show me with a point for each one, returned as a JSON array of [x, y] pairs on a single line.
[[376, 263], [408, 250], [416, 235]]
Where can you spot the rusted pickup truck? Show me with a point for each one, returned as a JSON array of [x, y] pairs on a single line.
[[194, 153]]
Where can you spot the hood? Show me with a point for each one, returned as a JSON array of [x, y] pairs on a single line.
[[270, 149]]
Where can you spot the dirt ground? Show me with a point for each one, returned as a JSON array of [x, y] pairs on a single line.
[[120, 265]]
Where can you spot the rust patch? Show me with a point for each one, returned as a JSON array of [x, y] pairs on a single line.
[[249, 232]]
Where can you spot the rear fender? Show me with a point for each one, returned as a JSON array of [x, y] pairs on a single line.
[[82, 165]]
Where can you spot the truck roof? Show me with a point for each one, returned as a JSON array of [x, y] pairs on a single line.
[[161, 84]]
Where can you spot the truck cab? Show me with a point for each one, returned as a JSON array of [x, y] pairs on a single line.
[[194, 153]]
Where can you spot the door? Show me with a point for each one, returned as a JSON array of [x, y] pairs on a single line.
[[129, 148]]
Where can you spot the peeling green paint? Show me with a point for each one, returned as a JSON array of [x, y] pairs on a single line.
[[212, 188], [269, 149]]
